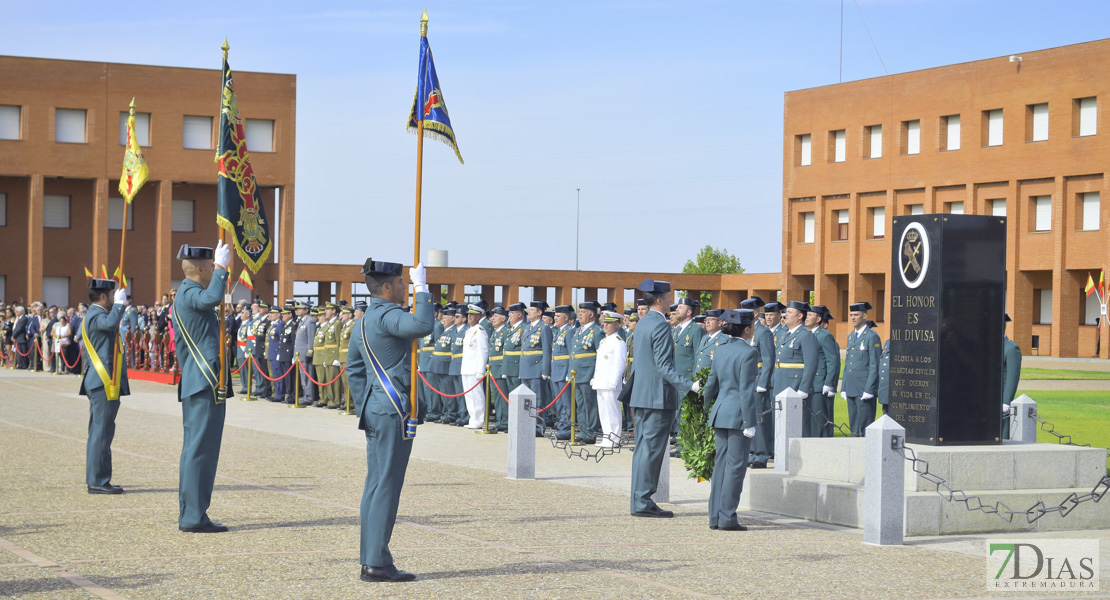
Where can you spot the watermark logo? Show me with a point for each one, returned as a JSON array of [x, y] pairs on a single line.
[[1048, 565]]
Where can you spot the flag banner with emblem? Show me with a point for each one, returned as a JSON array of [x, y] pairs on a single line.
[[245, 279], [120, 278], [239, 207], [135, 169], [428, 105], [88, 274], [1090, 287]]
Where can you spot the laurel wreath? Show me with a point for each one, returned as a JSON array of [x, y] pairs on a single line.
[[696, 437]]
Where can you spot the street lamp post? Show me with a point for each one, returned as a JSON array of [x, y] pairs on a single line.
[[577, 220]]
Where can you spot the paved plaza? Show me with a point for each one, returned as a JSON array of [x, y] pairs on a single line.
[[289, 486]]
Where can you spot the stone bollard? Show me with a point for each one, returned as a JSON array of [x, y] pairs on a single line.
[[884, 492], [788, 425], [522, 433], [1023, 425]]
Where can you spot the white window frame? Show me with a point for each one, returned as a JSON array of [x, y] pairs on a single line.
[[917, 209], [52, 294], [876, 143], [806, 143], [56, 209], [840, 145], [1046, 306], [1092, 309], [1092, 211], [10, 122], [913, 137], [955, 208], [1040, 122], [952, 135], [994, 127], [142, 128], [998, 207], [1088, 116], [878, 222], [1042, 213], [115, 214], [66, 128], [191, 126], [260, 135], [183, 210], [808, 226]]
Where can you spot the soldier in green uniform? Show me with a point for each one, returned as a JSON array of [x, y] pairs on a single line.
[[262, 389], [484, 322], [440, 365], [99, 331], [561, 337], [346, 317], [1011, 375], [497, 318], [514, 339], [424, 350], [818, 423], [198, 350], [861, 369], [687, 337], [797, 355], [458, 338], [626, 409], [583, 360], [286, 341], [378, 364], [711, 340], [764, 343], [535, 360]]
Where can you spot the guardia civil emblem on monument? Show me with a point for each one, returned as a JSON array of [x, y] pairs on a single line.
[[913, 258]]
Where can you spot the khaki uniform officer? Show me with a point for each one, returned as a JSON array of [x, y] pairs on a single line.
[[329, 355], [346, 318]]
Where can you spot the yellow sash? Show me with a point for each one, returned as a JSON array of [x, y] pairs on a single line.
[[111, 384]]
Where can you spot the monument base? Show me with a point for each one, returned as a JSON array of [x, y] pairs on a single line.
[[826, 477]]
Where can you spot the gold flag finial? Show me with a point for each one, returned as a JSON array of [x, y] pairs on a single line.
[[225, 48], [424, 23], [132, 107]]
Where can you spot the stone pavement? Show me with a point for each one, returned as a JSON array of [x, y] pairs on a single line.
[[289, 485]]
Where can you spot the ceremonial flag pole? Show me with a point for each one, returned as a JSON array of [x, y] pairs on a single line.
[[131, 180], [416, 235]]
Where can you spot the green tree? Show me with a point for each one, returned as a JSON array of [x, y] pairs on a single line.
[[712, 260]]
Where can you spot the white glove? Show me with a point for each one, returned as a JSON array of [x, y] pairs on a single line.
[[844, 395], [749, 432], [1006, 409], [335, 363], [867, 396], [761, 390], [121, 296], [545, 377], [804, 394], [222, 256], [694, 388], [419, 277], [826, 390]]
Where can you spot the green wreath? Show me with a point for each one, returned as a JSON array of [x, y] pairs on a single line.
[[696, 437]]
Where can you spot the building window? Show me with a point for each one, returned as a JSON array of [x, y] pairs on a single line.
[[911, 133], [55, 211], [260, 135], [1091, 309], [182, 219], [1091, 211], [1042, 207], [1036, 122], [841, 225], [878, 222], [955, 208], [838, 145], [115, 214], [142, 128], [998, 207], [3, 286], [803, 150], [9, 122], [1045, 313], [69, 125], [55, 291], [1085, 116], [3, 216], [992, 127], [950, 129], [807, 228], [196, 133], [915, 209], [875, 141]]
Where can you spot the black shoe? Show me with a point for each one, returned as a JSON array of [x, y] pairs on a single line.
[[390, 573], [242, 392], [736, 527], [713, 527], [210, 527], [654, 513], [562, 437], [105, 489], [503, 429], [289, 401], [758, 465]]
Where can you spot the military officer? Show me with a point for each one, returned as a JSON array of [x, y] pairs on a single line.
[[861, 369], [347, 320], [99, 331], [243, 345], [440, 365], [498, 316], [626, 409], [641, 307], [1011, 375], [561, 337], [318, 371], [535, 359], [473, 368], [657, 391], [763, 340], [823, 395], [797, 354], [583, 360], [687, 337], [608, 379], [424, 350], [458, 339], [273, 339], [261, 329], [384, 336], [549, 318], [286, 341], [711, 340], [731, 389], [203, 409], [329, 357], [514, 339], [484, 322], [302, 350]]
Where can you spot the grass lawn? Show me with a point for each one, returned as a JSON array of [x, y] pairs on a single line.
[[1062, 374], [1085, 416]]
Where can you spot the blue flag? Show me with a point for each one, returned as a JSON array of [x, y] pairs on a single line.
[[428, 104]]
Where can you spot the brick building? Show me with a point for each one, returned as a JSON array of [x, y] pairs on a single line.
[[1019, 136], [62, 130]]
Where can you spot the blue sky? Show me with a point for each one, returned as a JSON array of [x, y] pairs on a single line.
[[667, 115]]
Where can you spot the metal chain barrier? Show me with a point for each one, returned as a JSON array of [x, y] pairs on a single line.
[[973, 503], [479, 382], [305, 371], [585, 452]]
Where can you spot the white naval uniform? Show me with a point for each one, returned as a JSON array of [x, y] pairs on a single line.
[[612, 359], [473, 369]]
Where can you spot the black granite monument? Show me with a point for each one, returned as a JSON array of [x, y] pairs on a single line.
[[947, 301]]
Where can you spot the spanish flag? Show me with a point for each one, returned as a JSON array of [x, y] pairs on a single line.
[[245, 279], [103, 271], [1090, 287], [88, 274], [135, 169], [120, 278]]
